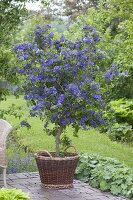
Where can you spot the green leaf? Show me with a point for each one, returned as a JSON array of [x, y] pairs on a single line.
[[115, 189], [104, 186]]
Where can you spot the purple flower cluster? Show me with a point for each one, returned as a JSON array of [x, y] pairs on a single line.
[[60, 77], [60, 99], [25, 123], [113, 73], [74, 90]]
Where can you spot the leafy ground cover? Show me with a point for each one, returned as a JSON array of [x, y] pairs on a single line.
[[105, 173], [91, 142]]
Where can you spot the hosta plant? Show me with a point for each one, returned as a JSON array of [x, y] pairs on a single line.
[[107, 174], [61, 79]]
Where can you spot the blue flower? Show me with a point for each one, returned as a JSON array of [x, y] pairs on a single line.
[[96, 38], [25, 46], [91, 63], [63, 121], [97, 97], [60, 99], [86, 27], [25, 123], [52, 91], [78, 44], [80, 64], [108, 76], [62, 39], [93, 123], [54, 117], [67, 113], [51, 34], [86, 34], [45, 90], [74, 90], [67, 66], [29, 36], [21, 71], [88, 40], [36, 107], [47, 79], [83, 95], [28, 65], [38, 31], [57, 69], [49, 62], [126, 74], [95, 86], [92, 112], [37, 96], [28, 97], [71, 120], [47, 26], [101, 120]]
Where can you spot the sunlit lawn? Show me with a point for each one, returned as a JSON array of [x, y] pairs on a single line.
[[91, 141]]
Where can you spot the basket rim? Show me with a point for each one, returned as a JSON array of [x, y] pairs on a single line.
[[71, 157], [59, 186]]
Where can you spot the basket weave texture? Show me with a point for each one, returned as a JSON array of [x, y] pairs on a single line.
[[56, 172]]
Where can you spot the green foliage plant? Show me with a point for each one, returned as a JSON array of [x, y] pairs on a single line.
[[123, 110], [121, 132], [13, 194], [105, 173], [119, 120]]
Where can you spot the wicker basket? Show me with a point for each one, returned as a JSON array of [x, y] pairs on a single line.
[[56, 172]]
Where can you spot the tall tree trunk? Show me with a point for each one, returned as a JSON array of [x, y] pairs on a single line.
[[58, 141]]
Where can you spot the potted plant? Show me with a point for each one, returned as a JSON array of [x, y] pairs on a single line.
[[61, 82]]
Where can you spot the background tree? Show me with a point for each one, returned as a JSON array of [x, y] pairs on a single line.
[[113, 20], [12, 14]]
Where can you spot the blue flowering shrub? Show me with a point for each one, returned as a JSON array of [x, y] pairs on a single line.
[[61, 79]]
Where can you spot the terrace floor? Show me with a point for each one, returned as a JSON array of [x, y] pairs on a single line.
[[30, 182]]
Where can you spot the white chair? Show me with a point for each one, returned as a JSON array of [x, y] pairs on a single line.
[[5, 129]]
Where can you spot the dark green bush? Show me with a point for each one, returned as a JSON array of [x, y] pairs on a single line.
[[123, 110], [121, 132], [106, 174], [119, 120]]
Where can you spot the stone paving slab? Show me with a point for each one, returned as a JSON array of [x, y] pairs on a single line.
[[30, 182]]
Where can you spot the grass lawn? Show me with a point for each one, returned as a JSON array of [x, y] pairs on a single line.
[[88, 141]]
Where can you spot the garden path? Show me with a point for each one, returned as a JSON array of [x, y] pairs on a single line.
[[30, 182]]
